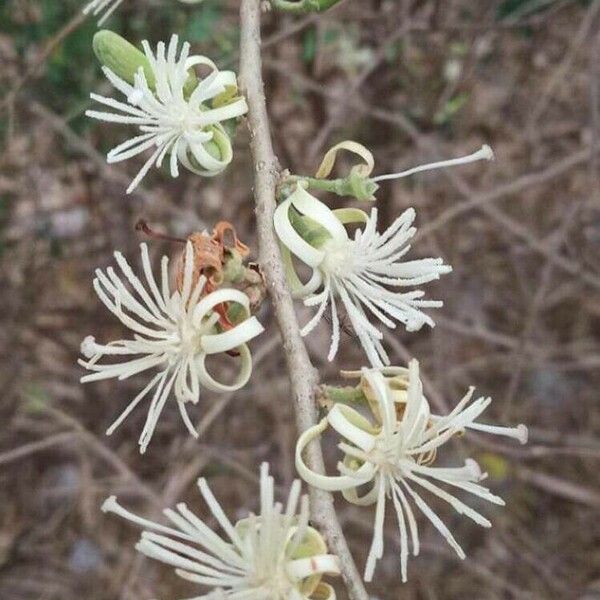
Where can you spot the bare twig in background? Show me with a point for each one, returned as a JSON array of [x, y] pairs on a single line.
[[302, 374]]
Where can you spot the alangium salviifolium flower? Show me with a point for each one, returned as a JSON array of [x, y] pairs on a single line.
[[173, 330], [275, 555], [179, 114], [365, 272], [392, 453]]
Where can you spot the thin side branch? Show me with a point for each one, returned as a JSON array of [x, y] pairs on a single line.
[[303, 376]]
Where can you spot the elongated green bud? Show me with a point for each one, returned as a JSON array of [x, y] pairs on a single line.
[[124, 60], [121, 57]]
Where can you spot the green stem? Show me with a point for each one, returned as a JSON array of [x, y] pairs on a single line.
[[301, 7], [361, 188]]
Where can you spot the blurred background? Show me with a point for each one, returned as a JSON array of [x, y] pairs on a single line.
[[414, 80]]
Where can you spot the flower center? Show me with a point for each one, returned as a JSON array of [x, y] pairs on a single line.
[[339, 258], [190, 337]]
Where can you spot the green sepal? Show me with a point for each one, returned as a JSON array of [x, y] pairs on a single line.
[[233, 268], [308, 229], [362, 188], [344, 395], [236, 313]]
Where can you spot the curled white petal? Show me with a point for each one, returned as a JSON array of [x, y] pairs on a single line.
[[302, 568], [245, 370], [308, 205], [228, 340], [326, 482], [330, 157], [292, 240]]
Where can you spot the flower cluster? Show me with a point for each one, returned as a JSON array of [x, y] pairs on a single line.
[[390, 447], [394, 451], [177, 115], [275, 555], [173, 332]]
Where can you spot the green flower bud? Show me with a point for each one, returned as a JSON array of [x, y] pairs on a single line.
[[121, 57], [124, 60]]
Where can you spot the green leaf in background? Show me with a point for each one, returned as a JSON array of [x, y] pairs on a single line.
[[201, 24]]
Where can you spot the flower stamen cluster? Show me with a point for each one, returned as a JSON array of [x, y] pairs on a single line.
[[358, 271], [173, 332], [275, 555]]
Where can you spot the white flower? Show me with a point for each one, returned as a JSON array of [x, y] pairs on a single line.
[[358, 271], [393, 456], [173, 332], [169, 121], [95, 7], [273, 556]]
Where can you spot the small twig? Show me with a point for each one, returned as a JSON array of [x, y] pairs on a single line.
[[557, 486], [302, 374], [37, 446], [587, 25]]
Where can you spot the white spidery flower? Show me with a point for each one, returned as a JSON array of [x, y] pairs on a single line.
[[173, 332], [358, 271], [275, 555], [171, 121], [393, 454]]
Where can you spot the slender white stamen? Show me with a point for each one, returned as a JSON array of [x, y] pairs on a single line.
[[484, 153], [174, 332], [258, 557], [96, 7], [519, 432], [392, 456]]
